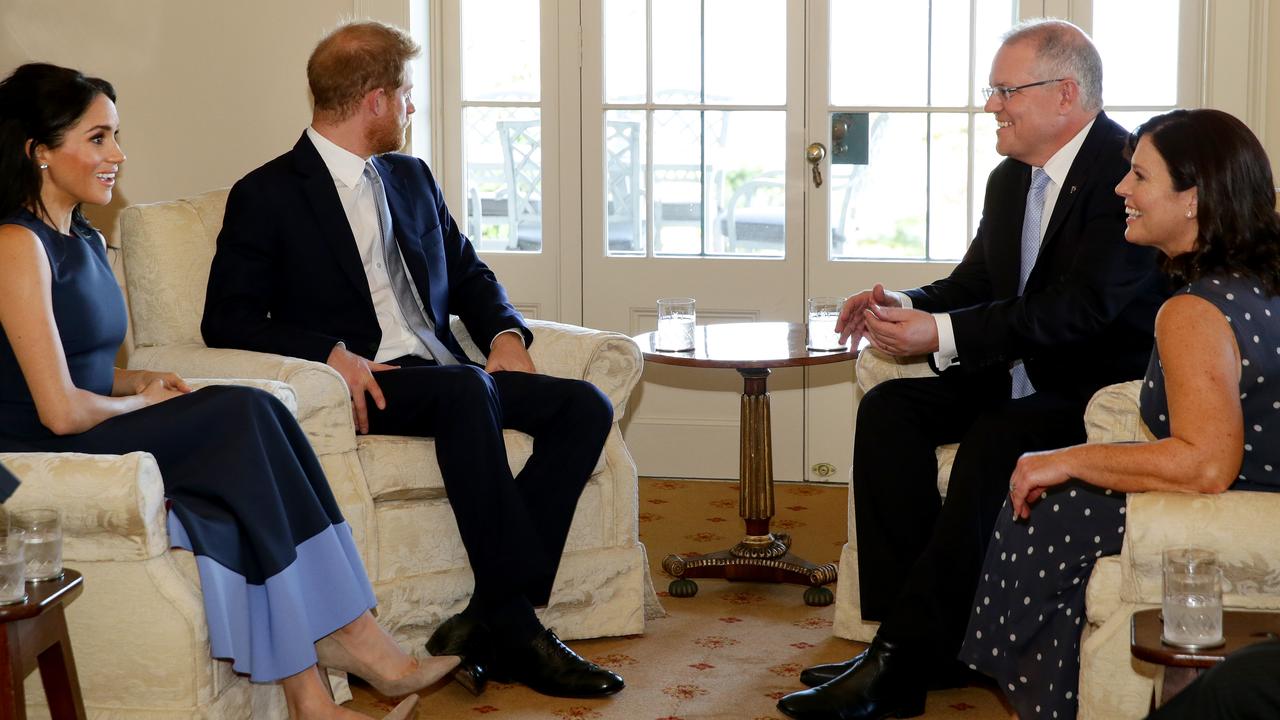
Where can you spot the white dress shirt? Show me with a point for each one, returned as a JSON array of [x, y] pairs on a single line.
[[1056, 168]]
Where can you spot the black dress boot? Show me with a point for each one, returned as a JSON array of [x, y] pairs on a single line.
[[887, 682]]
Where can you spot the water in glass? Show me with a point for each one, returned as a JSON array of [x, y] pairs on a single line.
[[12, 576], [1192, 620], [43, 555]]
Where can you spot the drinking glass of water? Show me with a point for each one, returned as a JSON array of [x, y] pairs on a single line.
[[1192, 609], [676, 319], [41, 531], [13, 589], [821, 316]]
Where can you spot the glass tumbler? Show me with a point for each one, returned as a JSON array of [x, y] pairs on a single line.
[[676, 320], [1192, 607]]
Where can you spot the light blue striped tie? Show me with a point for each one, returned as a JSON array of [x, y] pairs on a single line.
[[1030, 249], [415, 316]]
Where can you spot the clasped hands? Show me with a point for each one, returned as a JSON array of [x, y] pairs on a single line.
[[889, 327], [153, 386], [507, 353]]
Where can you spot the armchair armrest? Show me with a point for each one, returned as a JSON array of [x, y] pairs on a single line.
[[1238, 525], [323, 405], [112, 505], [282, 391], [875, 367], [610, 361], [1112, 415]]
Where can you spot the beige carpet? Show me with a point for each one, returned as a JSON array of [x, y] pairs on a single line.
[[728, 653]]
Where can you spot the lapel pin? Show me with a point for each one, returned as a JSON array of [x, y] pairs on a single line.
[[1073, 190]]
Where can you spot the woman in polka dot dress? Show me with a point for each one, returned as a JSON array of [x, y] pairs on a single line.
[[1200, 190]]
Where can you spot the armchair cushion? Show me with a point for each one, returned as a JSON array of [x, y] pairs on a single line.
[[1240, 526], [112, 505]]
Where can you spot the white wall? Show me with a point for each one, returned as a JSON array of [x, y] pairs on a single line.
[[207, 90]]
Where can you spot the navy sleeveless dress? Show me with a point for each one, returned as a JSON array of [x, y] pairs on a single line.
[[278, 566], [1025, 626]]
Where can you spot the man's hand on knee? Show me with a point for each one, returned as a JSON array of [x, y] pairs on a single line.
[[357, 373], [508, 353]]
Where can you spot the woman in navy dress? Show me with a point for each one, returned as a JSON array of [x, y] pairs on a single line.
[[1200, 190], [282, 583]]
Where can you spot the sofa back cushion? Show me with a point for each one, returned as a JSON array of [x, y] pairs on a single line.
[[168, 249]]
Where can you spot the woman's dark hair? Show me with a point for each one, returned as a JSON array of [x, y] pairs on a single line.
[[1239, 230], [38, 104]]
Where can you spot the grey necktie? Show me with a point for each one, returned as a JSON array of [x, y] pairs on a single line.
[[1030, 250], [418, 320]]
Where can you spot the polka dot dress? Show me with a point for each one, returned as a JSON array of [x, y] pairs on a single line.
[[1254, 317], [1028, 613]]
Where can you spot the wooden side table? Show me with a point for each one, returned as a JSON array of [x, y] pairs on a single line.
[[34, 634], [1180, 666], [763, 556]]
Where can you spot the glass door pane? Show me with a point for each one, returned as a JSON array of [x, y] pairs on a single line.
[[502, 125], [903, 103], [705, 85]]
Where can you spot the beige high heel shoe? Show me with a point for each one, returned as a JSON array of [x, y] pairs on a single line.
[[331, 653], [404, 710]]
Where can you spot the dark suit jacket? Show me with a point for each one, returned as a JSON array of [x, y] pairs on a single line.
[[1087, 316], [287, 277], [8, 483]]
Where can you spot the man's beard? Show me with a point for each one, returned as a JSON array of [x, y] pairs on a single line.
[[385, 138]]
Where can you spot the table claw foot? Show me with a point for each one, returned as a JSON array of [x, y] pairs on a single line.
[[684, 588], [816, 597]]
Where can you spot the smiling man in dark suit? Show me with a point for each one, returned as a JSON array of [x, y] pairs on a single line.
[[1048, 305], [342, 251]]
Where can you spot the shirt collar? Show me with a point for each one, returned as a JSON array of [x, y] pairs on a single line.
[[1060, 164], [345, 166]]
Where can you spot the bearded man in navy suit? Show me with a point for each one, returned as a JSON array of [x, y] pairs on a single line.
[[342, 251]]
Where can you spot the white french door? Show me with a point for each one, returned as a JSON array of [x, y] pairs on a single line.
[[627, 150], [697, 104]]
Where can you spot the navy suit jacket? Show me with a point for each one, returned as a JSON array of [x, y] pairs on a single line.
[[1087, 316], [8, 483], [287, 277]]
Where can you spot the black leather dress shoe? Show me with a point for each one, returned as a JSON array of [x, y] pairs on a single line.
[[944, 675], [469, 639], [885, 683], [823, 674], [548, 666]]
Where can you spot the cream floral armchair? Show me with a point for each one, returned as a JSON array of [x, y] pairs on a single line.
[[138, 631], [1240, 526]]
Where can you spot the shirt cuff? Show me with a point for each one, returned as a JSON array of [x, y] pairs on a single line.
[[946, 354], [504, 332], [903, 299]]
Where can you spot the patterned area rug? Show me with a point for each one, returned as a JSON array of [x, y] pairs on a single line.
[[729, 652]]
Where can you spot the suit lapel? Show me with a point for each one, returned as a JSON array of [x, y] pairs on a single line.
[[1077, 176], [1006, 262], [414, 260], [322, 196]]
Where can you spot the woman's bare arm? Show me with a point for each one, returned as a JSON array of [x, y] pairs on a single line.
[[1206, 443], [26, 315]]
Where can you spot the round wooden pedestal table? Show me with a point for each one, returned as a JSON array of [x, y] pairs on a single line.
[[753, 349]]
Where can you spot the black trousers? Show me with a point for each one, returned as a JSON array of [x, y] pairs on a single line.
[[919, 555], [1245, 686], [513, 527]]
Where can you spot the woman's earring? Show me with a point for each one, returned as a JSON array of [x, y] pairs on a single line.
[[45, 166], [1190, 213]]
